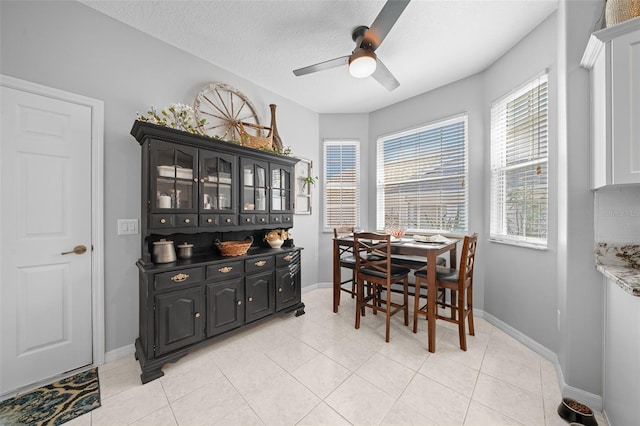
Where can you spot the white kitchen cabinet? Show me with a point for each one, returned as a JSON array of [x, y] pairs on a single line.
[[613, 56], [621, 355]]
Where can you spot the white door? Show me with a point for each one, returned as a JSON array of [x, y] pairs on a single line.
[[45, 294]]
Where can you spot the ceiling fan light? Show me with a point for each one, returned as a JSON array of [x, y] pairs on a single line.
[[362, 63]]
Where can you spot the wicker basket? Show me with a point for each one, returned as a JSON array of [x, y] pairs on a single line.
[[234, 248], [255, 141]]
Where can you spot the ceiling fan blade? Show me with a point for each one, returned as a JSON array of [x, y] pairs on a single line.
[[332, 63], [384, 76], [387, 17]]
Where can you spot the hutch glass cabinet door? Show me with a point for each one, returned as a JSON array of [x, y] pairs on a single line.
[[173, 182], [280, 189], [254, 186], [217, 172]]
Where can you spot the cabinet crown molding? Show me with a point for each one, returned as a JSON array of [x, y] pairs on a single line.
[[598, 39]]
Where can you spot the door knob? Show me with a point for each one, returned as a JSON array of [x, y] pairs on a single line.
[[76, 250]]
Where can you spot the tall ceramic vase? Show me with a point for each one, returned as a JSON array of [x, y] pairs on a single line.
[[618, 11], [277, 142]]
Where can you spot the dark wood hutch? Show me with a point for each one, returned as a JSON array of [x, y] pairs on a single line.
[[196, 190]]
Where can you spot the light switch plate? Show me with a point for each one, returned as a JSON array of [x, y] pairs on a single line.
[[127, 226]]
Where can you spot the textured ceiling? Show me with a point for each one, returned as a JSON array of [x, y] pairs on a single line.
[[432, 44]]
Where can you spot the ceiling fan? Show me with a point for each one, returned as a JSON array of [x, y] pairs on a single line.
[[363, 61]]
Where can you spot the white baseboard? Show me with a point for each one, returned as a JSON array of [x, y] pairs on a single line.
[[120, 353], [591, 400]]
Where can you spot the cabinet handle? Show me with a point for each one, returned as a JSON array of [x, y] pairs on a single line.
[[225, 269], [163, 220], [202, 180], [260, 263], [287, 219], [288, 258], [197, 315], [187, 220], [228, 220], [275, 219], [250, 299], [280, 290], [179, 277], [239, 302], [209, 220], [262, 219], [195, 180], [248, 220]]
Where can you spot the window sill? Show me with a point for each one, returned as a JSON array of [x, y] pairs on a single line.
[[522, 244]]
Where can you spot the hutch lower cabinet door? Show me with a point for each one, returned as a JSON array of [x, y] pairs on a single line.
[[180, 319], [260, 296], [288, 279], [225, 306]]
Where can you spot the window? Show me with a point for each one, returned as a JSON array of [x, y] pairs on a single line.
[[422, 175], [519, 157], [341, 184]]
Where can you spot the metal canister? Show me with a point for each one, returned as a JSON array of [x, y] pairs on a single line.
[[163, 252], [185, 251]]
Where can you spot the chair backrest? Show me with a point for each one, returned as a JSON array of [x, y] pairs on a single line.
[[342, 230], [373, 253], [467, 260]]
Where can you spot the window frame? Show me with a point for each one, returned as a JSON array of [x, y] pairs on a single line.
[[326, 183], [499, 167], [423, 131]]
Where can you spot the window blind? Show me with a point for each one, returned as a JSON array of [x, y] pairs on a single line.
[[421, 178], [519, 172], [341, 184]]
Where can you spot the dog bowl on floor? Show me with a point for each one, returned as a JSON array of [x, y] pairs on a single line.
[[575, 412]]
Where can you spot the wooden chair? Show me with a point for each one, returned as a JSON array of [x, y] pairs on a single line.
[[460, 283], [348, 261], [374, 267]]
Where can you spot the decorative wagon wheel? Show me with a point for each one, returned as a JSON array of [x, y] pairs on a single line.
[[226, 110]]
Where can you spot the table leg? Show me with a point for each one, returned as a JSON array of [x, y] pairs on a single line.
[[336, 275]]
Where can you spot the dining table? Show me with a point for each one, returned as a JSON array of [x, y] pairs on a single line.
[[430, 250]]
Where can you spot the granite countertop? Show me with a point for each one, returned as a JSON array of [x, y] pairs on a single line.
[[621, 264]]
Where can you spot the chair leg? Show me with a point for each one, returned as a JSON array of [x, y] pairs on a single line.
[[460, 312], [339, 289], [406, 301], [470, 309], [454, 304], [375, 292], [416, 305], [358, 303], [388, 313], [353, 283]]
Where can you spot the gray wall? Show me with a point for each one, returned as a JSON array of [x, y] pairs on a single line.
[[71, 47], [68, 46], [521, 282], [580, 286]]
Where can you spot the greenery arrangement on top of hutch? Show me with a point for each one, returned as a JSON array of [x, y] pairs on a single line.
[[197, 190]]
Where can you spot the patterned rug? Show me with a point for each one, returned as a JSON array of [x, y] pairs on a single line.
[[54, 404]]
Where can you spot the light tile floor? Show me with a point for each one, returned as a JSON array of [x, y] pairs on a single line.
[[317, 369]]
